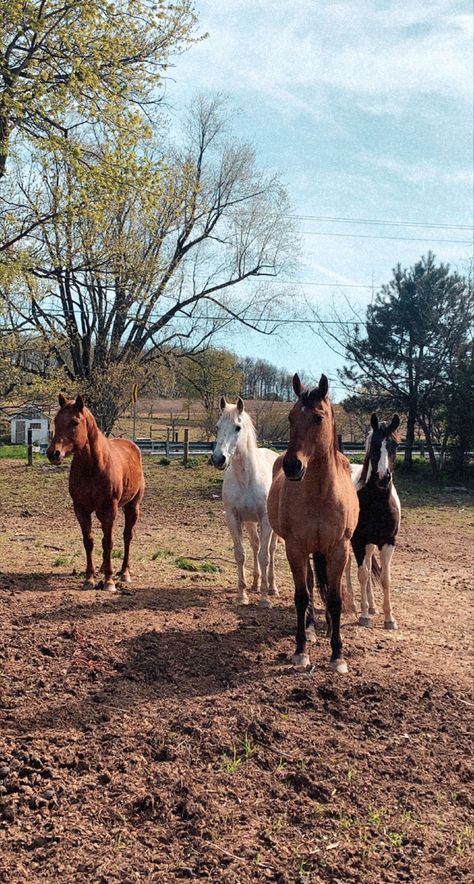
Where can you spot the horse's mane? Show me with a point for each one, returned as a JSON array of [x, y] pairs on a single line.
[[249, 424]]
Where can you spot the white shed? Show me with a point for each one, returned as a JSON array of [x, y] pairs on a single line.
[[29, 418]]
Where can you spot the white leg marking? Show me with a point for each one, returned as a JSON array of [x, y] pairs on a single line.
[[386, 554], [364, 577]]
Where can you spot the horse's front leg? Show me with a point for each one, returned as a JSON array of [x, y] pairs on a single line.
[[386, 554], [235, 527], [131, 511], [255, 544], [85, 520], [298, 562], [336, 563], [263, 557], [107, 518], [364, 577]]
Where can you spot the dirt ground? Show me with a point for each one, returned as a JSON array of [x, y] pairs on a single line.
[[161, 734]]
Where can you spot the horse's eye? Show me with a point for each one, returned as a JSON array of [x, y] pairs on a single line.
[[238, 429], [75, 421], [318, 418]]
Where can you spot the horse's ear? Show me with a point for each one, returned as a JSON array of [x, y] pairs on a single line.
[[62, 400], [297, 385], [240, 405], [223, 403], [79, 403], [323, 386], [374, 421], [394, 423]]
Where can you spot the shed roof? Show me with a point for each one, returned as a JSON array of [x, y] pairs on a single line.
[[29, 412]]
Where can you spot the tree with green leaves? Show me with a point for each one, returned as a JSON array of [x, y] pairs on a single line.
[[70, 63], [402, 356]]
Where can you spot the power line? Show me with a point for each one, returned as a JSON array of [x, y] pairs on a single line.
[[381, 221], [378, 236]]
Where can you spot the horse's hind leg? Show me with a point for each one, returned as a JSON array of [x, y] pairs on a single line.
[[310, 615], [263, 557], [348, 605], [85, 520], [235, 527], [131, 511], [255, 544], [364, 576], [272, 587], [107, 519], [386, 554]]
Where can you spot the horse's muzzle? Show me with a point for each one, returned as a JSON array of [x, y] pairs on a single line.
[[218, 461], [294, 470], [54, 456]]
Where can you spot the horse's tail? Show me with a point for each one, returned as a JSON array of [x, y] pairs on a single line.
[[376, 571], [321, 570]]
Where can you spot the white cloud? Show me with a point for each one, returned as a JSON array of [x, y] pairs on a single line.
[[294, 52]]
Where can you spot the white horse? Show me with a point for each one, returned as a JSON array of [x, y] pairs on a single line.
[[379, 518], [247, 480]]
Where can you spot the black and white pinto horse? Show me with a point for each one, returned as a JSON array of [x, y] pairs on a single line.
[[379, 517]]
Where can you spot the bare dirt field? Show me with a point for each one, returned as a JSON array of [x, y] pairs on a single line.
[[161, 735]]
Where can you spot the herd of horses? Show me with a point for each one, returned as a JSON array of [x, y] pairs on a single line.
[[311, 498]]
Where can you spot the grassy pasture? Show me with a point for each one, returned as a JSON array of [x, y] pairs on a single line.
[[160, 734]]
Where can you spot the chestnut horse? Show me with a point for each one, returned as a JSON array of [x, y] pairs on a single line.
[[313, 505], [105, 474]]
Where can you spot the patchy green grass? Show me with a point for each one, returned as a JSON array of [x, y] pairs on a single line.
[[187, 565]]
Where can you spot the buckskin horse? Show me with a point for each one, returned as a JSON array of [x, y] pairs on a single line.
[[247, 479], [379, 517], [313, 505], [105, 474]]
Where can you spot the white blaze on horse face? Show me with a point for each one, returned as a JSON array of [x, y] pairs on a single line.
[[383, 464]]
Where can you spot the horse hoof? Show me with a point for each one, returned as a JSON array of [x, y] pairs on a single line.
[[311, 634], [339, 666], [390, 624], [88, 584], [109, 586], [301, 661], [125, 578], [265, 602], [373, 610], [242, 600], [364, 621], [274, 592]]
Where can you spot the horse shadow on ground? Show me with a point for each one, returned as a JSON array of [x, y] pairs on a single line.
[[172, 665], [95, 603]]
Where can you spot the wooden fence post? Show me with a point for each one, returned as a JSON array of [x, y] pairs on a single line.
[[30, 446], [186, 447]]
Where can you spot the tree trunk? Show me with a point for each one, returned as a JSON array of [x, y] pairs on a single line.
[[410, 437], [429, 444]]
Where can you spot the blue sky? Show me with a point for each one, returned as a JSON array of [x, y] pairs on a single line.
[[366, 109]]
